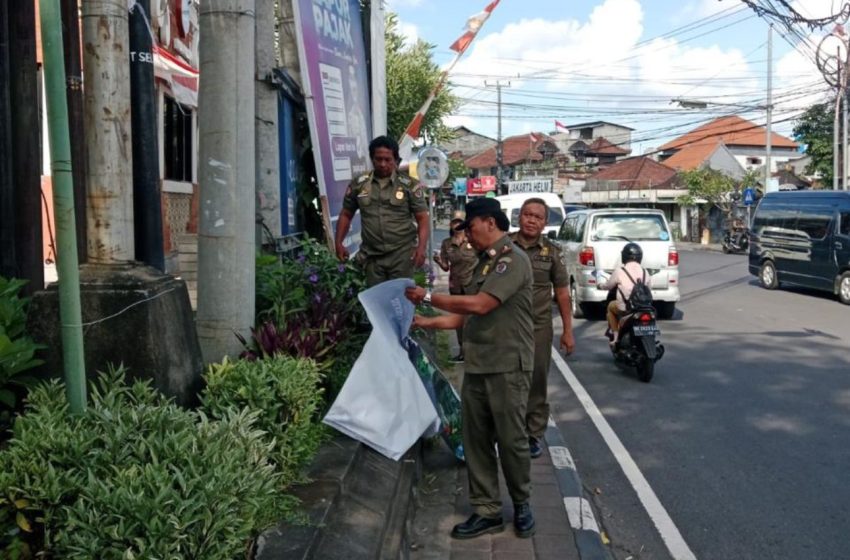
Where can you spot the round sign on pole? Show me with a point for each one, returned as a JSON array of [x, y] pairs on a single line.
[[433, 167]]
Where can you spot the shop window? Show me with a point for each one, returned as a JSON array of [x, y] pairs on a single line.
[[177, 146]]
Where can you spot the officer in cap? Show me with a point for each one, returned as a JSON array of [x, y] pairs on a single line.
[[394, 217], [496, 313], [550, 273]]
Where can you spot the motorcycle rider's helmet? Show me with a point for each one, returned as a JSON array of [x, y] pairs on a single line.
[[631, 252]]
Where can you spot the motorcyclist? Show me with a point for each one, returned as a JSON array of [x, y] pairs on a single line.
[[631, 256]]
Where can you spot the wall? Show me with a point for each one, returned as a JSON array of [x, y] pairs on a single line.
[[469, 144]]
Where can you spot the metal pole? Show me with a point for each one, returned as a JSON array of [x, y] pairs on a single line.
[[8, 263], [835, 125], [844, 151], [499, 146], [147, 201], [769, 139], [63, 206]]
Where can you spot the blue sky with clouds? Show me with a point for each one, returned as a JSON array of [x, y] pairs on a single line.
[[616, 60]]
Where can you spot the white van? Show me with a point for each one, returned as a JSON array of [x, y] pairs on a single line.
[[592, 241], [511, 204]]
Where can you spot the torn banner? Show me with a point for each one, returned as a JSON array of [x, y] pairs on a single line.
[[394, 392]]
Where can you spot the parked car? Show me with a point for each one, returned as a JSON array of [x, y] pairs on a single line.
[[803, 238], [592, 241], [511, 204], [573, 207]]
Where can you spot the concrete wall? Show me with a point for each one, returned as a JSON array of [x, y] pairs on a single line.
[[469, 144], [777, 156], [722, 160]]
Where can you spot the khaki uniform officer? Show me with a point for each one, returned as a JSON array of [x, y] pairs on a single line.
[[499, 352], [458, 257], [394, 217], [549, 272]]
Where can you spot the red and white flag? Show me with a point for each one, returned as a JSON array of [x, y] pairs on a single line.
[[177, 75], [561, 126], [473, 25]]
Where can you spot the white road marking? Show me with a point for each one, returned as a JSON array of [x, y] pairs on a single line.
[[561, 458], [580, 514], [669, 533]]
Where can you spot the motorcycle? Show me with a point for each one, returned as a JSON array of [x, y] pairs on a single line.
[[637, 340], [736, 241]]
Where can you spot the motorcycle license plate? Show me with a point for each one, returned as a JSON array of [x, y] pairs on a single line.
[[645, 329]]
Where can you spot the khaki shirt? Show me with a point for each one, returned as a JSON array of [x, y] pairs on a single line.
[[550, 271], [461, 258], [502, 340], [386, 213]]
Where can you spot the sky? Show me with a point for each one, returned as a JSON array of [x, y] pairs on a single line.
[[621, 61]]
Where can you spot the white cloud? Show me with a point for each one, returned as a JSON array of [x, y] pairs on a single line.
[[409, 31], [394, 5], [698, 9]]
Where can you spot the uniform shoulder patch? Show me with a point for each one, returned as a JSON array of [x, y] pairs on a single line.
[[418, 191], [363, 178], [507, 249], [403, 179], [501, 267]]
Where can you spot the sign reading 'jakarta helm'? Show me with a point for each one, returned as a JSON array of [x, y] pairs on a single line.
[[530, 186]]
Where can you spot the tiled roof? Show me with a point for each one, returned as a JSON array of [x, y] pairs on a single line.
[[602, 147], [594, 124], [640, 172], [692, 156], [515, 149], [733, 131]]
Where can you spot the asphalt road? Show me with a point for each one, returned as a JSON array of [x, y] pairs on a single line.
[[743, 434]]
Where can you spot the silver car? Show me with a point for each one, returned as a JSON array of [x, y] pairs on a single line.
[[592, 241]]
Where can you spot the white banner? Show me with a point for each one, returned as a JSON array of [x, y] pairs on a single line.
[[530, 186]]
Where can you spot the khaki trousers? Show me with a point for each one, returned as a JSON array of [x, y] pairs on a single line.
[[537, 413], [493, 407], [380, 268]]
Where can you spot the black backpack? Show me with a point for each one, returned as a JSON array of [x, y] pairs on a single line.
[[641, 296]]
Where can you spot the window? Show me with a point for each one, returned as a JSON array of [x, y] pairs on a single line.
[[556, 216], [567, 232], [753, 161], [844, 227], [775, 219], [581, 220], [177, 146], [814, 222], [630, 227], [586, 134]]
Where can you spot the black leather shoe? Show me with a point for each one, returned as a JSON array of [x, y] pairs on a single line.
[[476, 526], [534, 448], [523, 521]]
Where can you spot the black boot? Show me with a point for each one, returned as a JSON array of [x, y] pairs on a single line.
[[476, 526], [523, 521], [534, 448]]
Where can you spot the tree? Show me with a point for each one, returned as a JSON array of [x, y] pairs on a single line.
[[814, 128], [411, 75], [709, 188]]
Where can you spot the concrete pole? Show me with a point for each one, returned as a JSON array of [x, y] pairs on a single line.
[[226, 240], [287, 41], [268, 154], [108, 132]]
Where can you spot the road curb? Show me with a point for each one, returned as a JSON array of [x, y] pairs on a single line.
[[585, 528]]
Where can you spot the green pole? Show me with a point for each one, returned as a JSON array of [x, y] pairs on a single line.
[[67, 267]]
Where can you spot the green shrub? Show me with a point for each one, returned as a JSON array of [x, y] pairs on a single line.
[[17, 351], [135, 476], [284, 393]]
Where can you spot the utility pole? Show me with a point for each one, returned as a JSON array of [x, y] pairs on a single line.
[[111, 237], [268, 171], [8, 265], [769, 139], [74, 82], [26, 145], [147, 201], [835, 125], [226, 240], [499, 147]]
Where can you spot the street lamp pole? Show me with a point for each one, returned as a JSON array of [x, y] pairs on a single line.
[[769, 139]]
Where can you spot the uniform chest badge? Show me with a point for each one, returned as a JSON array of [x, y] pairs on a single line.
[[501, 268], [491, 252], [399, 195], [544, 252], [485, 270]]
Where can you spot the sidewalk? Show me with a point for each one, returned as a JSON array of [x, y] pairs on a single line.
[[443, 502]]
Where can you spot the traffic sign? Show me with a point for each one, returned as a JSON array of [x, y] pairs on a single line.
[[749, 196], [433, 168]]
